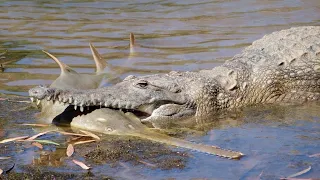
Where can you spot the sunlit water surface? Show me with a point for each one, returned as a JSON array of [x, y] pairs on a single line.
[[172, 35]]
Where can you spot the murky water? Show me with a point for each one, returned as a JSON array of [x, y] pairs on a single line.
[[173, 35]]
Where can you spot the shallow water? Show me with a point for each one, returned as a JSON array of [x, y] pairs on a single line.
[[173, 35]]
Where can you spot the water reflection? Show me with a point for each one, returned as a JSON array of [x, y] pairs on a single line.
[[174, 35]]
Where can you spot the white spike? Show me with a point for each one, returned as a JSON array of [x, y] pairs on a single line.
[[32, 99], [106, 104], [81, 108], [75, 107], [38, 102], [70, 100]]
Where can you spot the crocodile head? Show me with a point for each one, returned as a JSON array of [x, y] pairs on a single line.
[[161, 95]]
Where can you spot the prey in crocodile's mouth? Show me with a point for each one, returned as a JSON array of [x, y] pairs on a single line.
[[72, 111]]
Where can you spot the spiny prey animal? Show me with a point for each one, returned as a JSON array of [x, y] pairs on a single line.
[[281, 67], [61, 113], [69, 78], [108, 121]]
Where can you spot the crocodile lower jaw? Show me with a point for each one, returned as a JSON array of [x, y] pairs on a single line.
[[83, 110]]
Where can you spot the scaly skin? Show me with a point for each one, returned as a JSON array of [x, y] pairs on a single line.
[[281, 67]]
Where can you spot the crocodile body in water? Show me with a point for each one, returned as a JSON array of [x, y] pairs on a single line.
[[281, 67]]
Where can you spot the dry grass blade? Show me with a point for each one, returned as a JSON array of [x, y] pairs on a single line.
[[147, 164], [297, 174], [41, 141], [13, 139], [300, 173], [84, 142], [37, 145], [37, 135], [91, 134], [73, 134], [81, 164], [19, 101], [70, 150], [315, 155], [4, 158], [1, 171], [36, 125]]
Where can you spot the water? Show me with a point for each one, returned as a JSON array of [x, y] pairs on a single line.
[[173, 35]]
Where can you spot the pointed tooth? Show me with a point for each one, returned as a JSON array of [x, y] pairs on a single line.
[[32, 99], [49, 98], [65, 100], [70, 100], [81, 108], [93, 100], [38, 102], [107, 104], [115, 104], [100, 104], [60, 98], [75, 107]]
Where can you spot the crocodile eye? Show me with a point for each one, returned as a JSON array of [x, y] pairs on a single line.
[[142, 84]]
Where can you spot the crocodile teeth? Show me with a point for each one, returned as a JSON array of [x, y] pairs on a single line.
[[49, 98], [65, 100], [81, 108], [115, 104], [107, 104], [75, 107], [32, 99], [38, 102], [70, 100]]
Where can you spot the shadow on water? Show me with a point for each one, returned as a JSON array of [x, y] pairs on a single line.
[[173, 35]]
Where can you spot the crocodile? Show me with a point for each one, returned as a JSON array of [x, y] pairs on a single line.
[[108, 121], [282, 67]]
